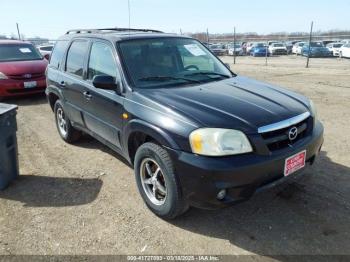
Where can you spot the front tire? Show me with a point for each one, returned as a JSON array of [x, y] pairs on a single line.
[[63, 124], [157, 182]]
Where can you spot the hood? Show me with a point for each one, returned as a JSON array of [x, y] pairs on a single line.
[[318, 49], [259, 49], [238, 103], [23, 67]]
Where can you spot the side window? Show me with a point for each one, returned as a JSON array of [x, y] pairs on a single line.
[[58, 53], [75, 57], [101, 61]]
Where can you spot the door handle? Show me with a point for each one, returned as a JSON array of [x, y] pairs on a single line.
[[87, 95]]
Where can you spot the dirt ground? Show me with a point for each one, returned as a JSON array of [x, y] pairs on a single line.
[[82, 199]]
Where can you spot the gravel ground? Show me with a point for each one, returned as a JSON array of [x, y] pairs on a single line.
[[82, 199]]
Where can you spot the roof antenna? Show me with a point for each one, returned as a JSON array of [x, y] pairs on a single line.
[[129, 14]]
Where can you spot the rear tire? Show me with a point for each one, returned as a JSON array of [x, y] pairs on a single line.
[[64, 126], [157, 182]]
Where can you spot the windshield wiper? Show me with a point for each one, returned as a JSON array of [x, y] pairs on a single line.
[[166, 78], [208, 74]]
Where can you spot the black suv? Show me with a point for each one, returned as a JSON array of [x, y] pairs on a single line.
[[196, 133]]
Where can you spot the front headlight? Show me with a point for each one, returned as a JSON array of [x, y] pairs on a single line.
[[219, 142], [3, 76], [313, 110]]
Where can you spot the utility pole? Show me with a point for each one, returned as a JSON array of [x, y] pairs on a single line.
[[180, 31], [207, 36], [308, 52], [19, 35], [266, 52], [234, 45]]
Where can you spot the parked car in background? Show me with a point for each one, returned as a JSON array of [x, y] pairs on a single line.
[[218, 49], [45, 50], [335, 48], [235, 49], [22, 69], [317, 49], [278, 49], [259, 49], [195, 133], [345, 51], [297, 48]]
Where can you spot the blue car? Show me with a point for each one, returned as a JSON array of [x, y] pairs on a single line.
[[317, 49], [259, 49]]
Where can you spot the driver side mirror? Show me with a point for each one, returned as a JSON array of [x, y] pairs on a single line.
[[107, 82]]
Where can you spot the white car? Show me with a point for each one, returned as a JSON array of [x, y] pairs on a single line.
[[45, 50], [345, 51], [334, 48], [278, 49], [297, 47], [235, 49]]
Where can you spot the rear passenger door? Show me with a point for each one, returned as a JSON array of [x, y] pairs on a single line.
[[103, 108], [72, 81]]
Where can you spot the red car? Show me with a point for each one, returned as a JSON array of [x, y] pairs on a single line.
[[22, 69]]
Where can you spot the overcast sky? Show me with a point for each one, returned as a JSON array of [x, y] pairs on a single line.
[[53, 18]]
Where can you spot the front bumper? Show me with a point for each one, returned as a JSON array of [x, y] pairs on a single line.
[[11, 87], [201, 177], [321, 54], [263, 53], [279, 52]]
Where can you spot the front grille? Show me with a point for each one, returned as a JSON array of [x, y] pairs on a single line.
[[27, 77], [279, 139], [280, 51]]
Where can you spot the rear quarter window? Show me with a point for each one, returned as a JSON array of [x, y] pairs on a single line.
[[76, 57], [58, 53]]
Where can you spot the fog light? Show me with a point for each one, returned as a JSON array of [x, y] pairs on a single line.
[[221, 195]]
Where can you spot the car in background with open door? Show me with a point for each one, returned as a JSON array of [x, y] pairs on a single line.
[[297, 48], [22, 69]]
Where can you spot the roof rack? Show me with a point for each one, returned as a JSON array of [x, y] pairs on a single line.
[[116, 29]]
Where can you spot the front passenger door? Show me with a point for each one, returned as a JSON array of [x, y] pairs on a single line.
[[104, 108]]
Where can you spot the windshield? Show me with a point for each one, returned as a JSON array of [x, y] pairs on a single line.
[[260, 45], [337, 45], [234, 46], [316, 44], [278, 45], [165, 62], [215, 46], [18, 52], [46, 48]]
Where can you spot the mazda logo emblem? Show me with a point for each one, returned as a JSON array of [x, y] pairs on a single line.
[[293, 133]]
